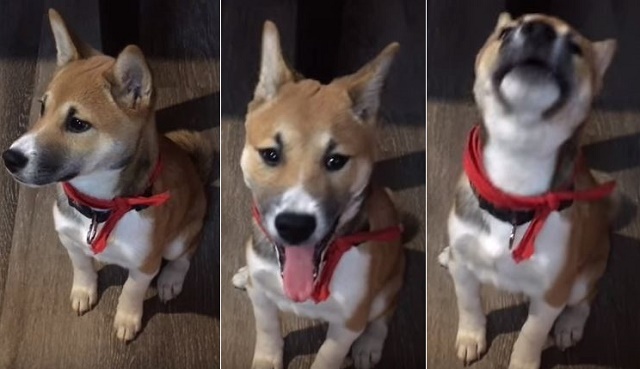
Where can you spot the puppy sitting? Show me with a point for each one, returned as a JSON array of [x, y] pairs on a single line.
[[528, 216], [127, 195], [326, 242]]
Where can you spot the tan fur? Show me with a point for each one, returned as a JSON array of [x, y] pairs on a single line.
[[325, 113], [589, 243], [596, 55]]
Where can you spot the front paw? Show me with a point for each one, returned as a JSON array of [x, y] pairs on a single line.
[[444, 257], [83, 298], [127, 324], [470, 344], [516, 363], [265, 361], [241, 278]]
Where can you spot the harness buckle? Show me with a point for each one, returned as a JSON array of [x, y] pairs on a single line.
[[93, 228], [512, 235]]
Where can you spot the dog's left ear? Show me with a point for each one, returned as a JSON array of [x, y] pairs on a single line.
[[603, 52], [69, 47], [364, 86], [274, 71], [131, 84]]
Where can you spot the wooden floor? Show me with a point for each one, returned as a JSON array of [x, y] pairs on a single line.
[[456, 31], [401, 165], [38, 329]]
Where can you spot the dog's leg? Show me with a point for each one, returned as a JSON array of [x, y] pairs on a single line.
[[269, 342], [471, 340], [128, 318], [367, 349], [241, 278], [570, 325], [533, 336], [171, 277], [335, 347], [84, 291]]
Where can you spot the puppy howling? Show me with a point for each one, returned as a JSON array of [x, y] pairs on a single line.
[[528, 216], [127, 195], [326, 242]]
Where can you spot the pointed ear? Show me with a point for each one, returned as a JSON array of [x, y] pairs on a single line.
[[603, 52], [365, 86], [273, 69], [131, 84], [503, 19], [69, 48]]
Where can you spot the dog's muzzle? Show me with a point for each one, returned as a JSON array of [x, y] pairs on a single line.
[[535, 56], [14, 160]]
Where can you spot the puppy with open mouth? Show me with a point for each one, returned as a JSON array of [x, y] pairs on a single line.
[[326, 242], [126, 194], [528, 216]]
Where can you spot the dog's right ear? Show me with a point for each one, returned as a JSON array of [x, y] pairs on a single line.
[[131, 82], [68, 46], [503, 19], [274, 71]]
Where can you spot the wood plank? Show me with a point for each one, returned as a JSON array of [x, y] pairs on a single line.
[[17, 68], [38, 328]]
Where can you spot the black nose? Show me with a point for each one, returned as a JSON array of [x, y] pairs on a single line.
[[14, 160], [538, 33], [295, 228]]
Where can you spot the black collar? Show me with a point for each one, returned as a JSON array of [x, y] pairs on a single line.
[[513, 217]]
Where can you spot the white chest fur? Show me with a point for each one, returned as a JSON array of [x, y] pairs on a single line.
[[488, 256], [348, 286], [129, 243]]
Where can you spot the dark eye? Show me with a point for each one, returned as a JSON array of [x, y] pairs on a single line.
[[75, 125], [574, 48], [271, 157], [504, 32], [42, 105], [335, 162]]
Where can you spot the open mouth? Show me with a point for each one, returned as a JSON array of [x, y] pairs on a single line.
[[301, 266], [528, 69], [530, 84]]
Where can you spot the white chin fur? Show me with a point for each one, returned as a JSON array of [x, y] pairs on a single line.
[[527, 97]]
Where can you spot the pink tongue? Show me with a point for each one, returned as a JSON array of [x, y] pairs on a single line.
[[298, 272]]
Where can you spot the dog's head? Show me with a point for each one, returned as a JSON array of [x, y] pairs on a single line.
[[536, 78], [309, 149], [91, 116]]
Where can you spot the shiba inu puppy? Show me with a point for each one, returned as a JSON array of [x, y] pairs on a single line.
[[529, 217], [326, 242], [127, 195]]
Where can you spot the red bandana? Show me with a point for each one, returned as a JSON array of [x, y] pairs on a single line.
[[117, 208], [336, 249], [543, 205]]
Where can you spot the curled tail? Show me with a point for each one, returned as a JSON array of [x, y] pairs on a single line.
[[200, 145]]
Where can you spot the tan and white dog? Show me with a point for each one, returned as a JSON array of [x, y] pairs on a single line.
[[307, 159], [536, 78], [96, 137]]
